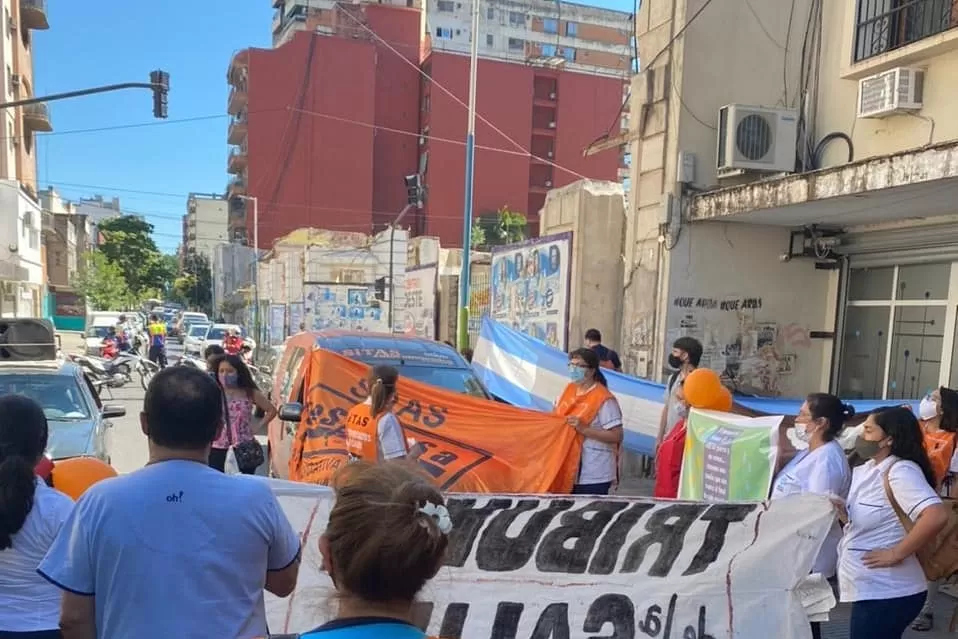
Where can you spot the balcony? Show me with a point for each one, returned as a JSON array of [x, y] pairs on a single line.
[[236, 187], [33, 14], [36, 117], [237, 99], [237, 130], [239, 64], [237, 160], [237, 211]]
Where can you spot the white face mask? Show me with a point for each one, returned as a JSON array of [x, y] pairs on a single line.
[[927, 409], [801, 432]]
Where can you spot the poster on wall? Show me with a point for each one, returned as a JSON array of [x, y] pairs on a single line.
[[419, 316], [295, 317], [277, 324], [530, 287], [344, 306]]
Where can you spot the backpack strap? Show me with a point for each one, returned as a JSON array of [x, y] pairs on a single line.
[[673, 379], [906, 522]]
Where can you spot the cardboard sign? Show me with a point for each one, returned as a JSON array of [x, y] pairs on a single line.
[[543, 567], [472, 444]]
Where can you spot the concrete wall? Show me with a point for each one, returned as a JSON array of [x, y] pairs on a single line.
[[595, 214]]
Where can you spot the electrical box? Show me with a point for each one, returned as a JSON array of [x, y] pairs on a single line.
[[686, 168]]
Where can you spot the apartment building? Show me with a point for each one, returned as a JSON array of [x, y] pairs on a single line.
[[205, 224], [97, 209], [345, 149], [796, 182]]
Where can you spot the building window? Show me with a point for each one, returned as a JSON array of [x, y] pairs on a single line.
[[490, 13], [549, 50], [550, 26], [517, 19], [568, 53], [446, 6], [885, 25], [489, 40], [572, 29], [443, 33], [515, 44]]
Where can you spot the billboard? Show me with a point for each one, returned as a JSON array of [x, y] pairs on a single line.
[[530, 287], [419, 316], [277, 324], [344, 306], [295, 317]]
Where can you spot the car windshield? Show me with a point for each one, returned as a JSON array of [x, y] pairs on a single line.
[[59, 395], [97, 331], [199, 330], [216, 333], [457, 380], [190, 318]]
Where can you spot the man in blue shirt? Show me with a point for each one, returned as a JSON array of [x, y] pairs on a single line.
[[175, 549], [608, 358]]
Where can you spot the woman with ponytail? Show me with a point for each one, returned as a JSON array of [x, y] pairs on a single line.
[[373, 433], [31, 515]]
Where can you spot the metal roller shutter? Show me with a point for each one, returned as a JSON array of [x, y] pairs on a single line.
[[917, 245]]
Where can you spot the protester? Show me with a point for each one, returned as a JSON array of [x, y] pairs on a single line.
[[386, 538], [608, 358], [31, 516], [821, 469], [684, 358], [938, 413], [593, 411], [175, 549], [668, 459], [373, 433], [157, 332], [241, 395], [877, 567]]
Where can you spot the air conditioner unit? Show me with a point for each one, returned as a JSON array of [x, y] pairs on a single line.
[[897, 90], [752, 138], [552, 125]]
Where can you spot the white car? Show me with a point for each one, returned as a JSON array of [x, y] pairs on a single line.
[[96, 332], [218, 331], [193, 341]]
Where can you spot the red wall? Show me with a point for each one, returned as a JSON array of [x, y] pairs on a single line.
[[586, 106]]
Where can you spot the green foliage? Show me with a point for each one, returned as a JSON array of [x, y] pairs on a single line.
[[502, 227], [128, 243], [478, 234], [102, 283]]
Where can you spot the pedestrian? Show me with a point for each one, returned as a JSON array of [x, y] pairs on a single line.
[[593, 411], [174, 549], [938, 414], [241, 395], [877, 568], [820, 469], [386, 538], [608, 358], [373, 433], [31, 515], [684, 358], [668, 458], [212, 352], [157, 332]]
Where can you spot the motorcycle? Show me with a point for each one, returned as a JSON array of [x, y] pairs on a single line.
[[117, 372], [192, 362]]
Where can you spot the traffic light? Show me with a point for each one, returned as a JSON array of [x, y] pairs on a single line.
[[381, 289], [414, 190], [161, 87]]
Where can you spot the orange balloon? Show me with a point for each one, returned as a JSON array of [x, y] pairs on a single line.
[[702, 388], [724, 403], [74, 476]]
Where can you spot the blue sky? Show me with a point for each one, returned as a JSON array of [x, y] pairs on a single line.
[[150, 168]]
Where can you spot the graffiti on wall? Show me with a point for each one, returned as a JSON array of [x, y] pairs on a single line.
[[755, 353]]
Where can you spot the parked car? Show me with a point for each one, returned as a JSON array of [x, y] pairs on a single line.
[[186, 319], [194, 339], [78, 420], [416, 358], [95, 334]]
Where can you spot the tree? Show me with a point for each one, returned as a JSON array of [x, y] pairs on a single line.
[[194, 286], [128, 243], [502, 227], [478, 235], [101, 283]]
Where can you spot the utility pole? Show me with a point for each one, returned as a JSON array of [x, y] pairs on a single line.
[[159, 84], [463, 332], [392, 286], [255, 201]]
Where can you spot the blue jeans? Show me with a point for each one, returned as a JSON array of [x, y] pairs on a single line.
[[884, 618]]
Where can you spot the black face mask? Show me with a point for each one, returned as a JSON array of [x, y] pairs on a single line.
[[675, 361]]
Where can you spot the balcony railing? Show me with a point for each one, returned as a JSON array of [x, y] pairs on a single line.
[[237, 99], [36, 117], [882, 26], [33, 14], [237, 130], [237, 160]]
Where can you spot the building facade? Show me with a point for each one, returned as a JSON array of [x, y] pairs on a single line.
[[96, 209], [807, 235], [316, 149], [205, 224]]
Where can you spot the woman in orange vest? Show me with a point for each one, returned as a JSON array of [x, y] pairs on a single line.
[[593, 411], [373, 434]]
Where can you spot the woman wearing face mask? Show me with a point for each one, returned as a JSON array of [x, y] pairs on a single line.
[[822, 469], [877, 567], [938, 414], [241, 395], [668, 459], [593, 411]]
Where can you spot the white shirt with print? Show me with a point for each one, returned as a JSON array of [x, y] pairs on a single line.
[[598, 461]]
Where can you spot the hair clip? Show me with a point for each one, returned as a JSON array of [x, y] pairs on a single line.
[[439, 513]]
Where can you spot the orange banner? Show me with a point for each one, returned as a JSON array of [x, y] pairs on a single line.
[[472, 445]]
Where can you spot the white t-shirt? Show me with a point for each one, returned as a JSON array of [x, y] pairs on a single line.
[[823, 471], [175, 549], [28, 602], [598, 461], [392, 441], [873, 525]]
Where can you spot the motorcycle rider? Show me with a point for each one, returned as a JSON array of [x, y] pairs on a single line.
[[157, 331], [233, 343], [123, 335], [111, 344]]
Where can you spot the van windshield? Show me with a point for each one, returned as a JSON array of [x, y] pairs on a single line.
[[457, 380]]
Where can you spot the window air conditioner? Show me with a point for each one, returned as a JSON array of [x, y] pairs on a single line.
[[898, 90], [759, 139]]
